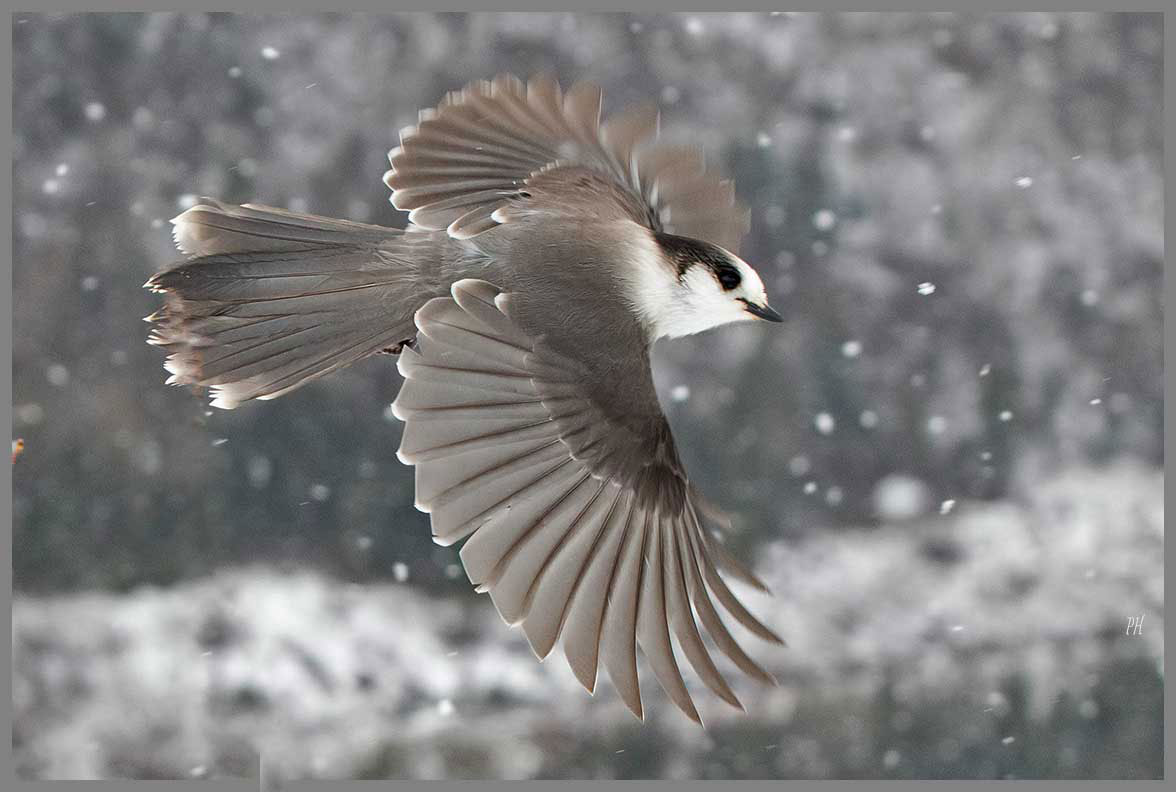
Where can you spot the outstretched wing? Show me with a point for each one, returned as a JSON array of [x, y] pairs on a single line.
[[498, 149], [578, 523]]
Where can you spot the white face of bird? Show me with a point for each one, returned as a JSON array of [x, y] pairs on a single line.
[[684, 286]]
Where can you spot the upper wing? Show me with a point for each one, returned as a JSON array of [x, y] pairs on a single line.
[[501, 147], [579, 524]]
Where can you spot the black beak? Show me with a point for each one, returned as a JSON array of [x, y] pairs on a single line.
[[762, 311]]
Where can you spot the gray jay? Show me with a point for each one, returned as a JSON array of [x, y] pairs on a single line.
[[546, 251]]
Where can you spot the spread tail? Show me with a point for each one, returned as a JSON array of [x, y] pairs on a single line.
[[273, 299]]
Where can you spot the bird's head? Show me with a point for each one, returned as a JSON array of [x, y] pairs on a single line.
[[690, 286]]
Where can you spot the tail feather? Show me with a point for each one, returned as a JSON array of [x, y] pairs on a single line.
[[211, 227], [274, 299]]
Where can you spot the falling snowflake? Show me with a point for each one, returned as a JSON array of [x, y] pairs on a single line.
[[57, 374], [824, 219], [32, 413], [259, 470]]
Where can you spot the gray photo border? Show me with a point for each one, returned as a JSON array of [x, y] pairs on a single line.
[[7, 775]]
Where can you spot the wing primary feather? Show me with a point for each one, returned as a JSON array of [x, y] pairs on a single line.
[[514, 578], [582, 628], [550, 591], [729, 600], [509, 553], [652, 627], [618, 631], [464, 518], [531, 409], [682, 619], [500, 523], [724, 557], [527, 458], [713, 623], [512, 384], [537, 430]]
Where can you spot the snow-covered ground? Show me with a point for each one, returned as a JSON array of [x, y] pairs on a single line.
[[987, 641]]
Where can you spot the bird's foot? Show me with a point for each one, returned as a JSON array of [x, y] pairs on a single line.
[[398, 348]]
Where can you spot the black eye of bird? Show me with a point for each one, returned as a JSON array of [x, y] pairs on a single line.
[[728, 277]]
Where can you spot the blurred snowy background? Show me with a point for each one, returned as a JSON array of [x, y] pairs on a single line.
[[947, 464]]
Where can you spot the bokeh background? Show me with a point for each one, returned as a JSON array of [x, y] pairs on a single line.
[[948, 463]]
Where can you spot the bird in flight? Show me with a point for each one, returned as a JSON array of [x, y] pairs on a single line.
[[545, 252]]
